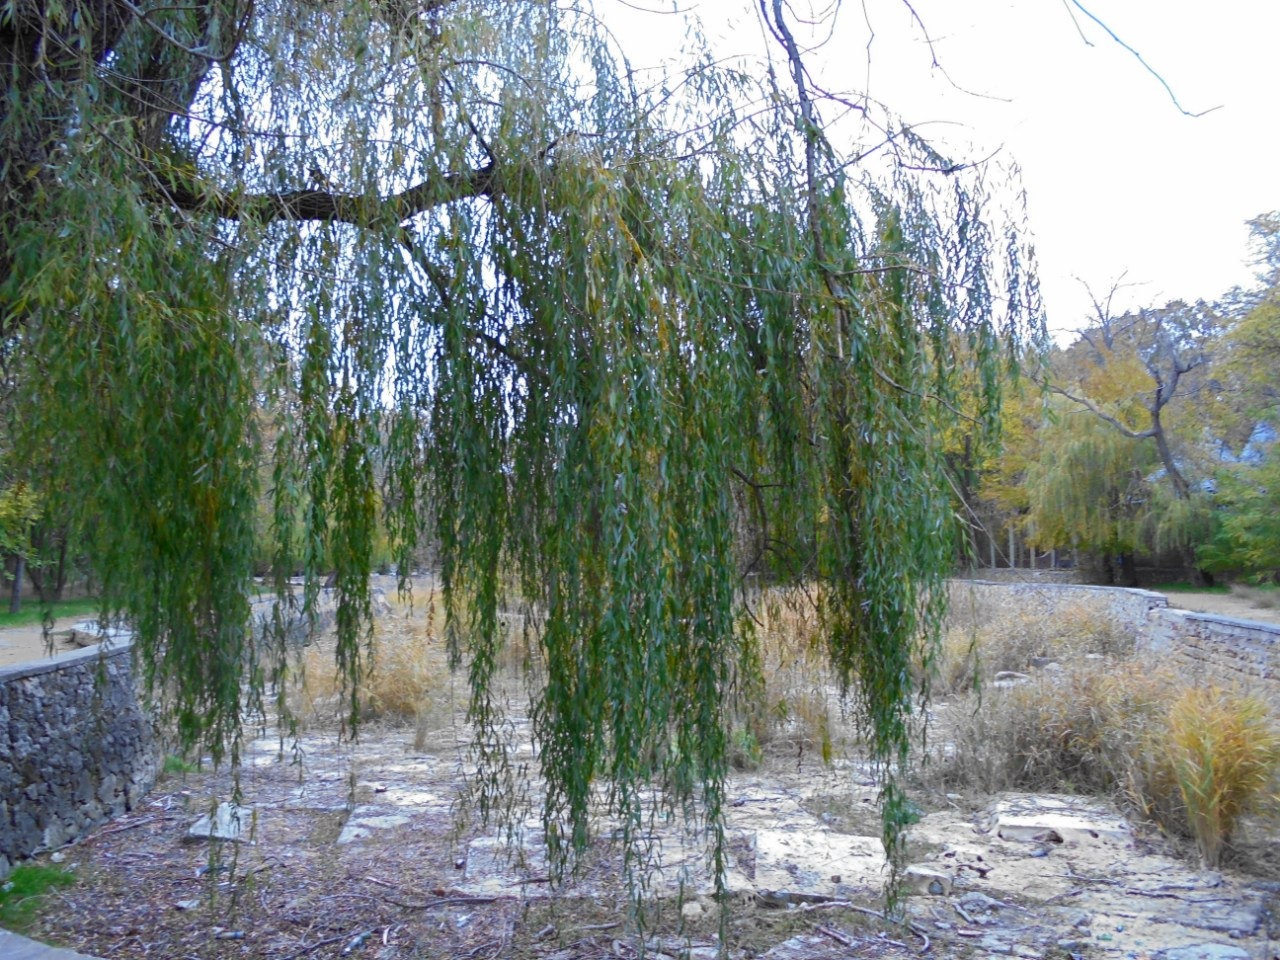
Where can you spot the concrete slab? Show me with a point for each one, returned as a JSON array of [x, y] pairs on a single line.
[[15, 947], [230, 822], [1047, 818], [364, 822]]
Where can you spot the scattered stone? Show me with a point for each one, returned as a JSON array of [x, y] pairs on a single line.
[[1236, 920], [974, 900], [230, 823], [365, 821], [692, 910], [928, 881], [186, 904]]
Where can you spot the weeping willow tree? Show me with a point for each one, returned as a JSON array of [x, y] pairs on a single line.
[[1091, 489], [615, 351]]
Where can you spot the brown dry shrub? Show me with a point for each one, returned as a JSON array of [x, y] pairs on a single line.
[[987, 633], [786, 688], [408, 678], [1077, 729]]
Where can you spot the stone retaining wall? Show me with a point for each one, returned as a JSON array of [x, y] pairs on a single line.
[[76, 749], [1120, 603], [1207, 646], [1222, 649]]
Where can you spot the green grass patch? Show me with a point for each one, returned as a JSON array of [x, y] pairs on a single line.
[[176, 766], [20, 894], [32, 612]]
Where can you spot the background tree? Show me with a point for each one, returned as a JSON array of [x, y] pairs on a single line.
[[988, 466], [1138, 374], [19, 510], [1088, 490], [567, 319], [1246, 416]]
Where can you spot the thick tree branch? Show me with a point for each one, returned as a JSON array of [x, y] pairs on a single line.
[[1103, 415], [324, 205]]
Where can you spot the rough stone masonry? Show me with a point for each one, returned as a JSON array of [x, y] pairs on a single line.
[[76, 749]]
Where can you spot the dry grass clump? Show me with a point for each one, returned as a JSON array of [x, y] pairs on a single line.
[[1223, 751], [786, 691], [1093, 716], [1264, 598], [408, 678], [1191, 760], [1077, 729], [987, 633]]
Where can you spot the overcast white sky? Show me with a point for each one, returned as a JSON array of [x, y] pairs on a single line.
[[1119, 182]]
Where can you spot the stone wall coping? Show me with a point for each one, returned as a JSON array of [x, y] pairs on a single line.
[[1226, 621], [107, 650], [1151, 596]]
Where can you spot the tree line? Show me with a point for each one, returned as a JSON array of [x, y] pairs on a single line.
[[1147, 441]]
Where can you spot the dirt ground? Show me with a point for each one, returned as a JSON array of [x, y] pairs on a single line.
[[366, 851], [1225, 605], [24, 644]]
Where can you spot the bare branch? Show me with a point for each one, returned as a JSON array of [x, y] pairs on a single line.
[[1151, 70]]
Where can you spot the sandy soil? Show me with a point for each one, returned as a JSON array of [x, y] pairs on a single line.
[[25, 644]]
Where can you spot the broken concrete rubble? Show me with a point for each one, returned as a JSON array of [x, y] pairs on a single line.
[[229, 822]]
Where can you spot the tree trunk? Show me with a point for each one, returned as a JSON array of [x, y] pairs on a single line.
[[1128, 570], [1199, 578], [60, 573], [15, 590]]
